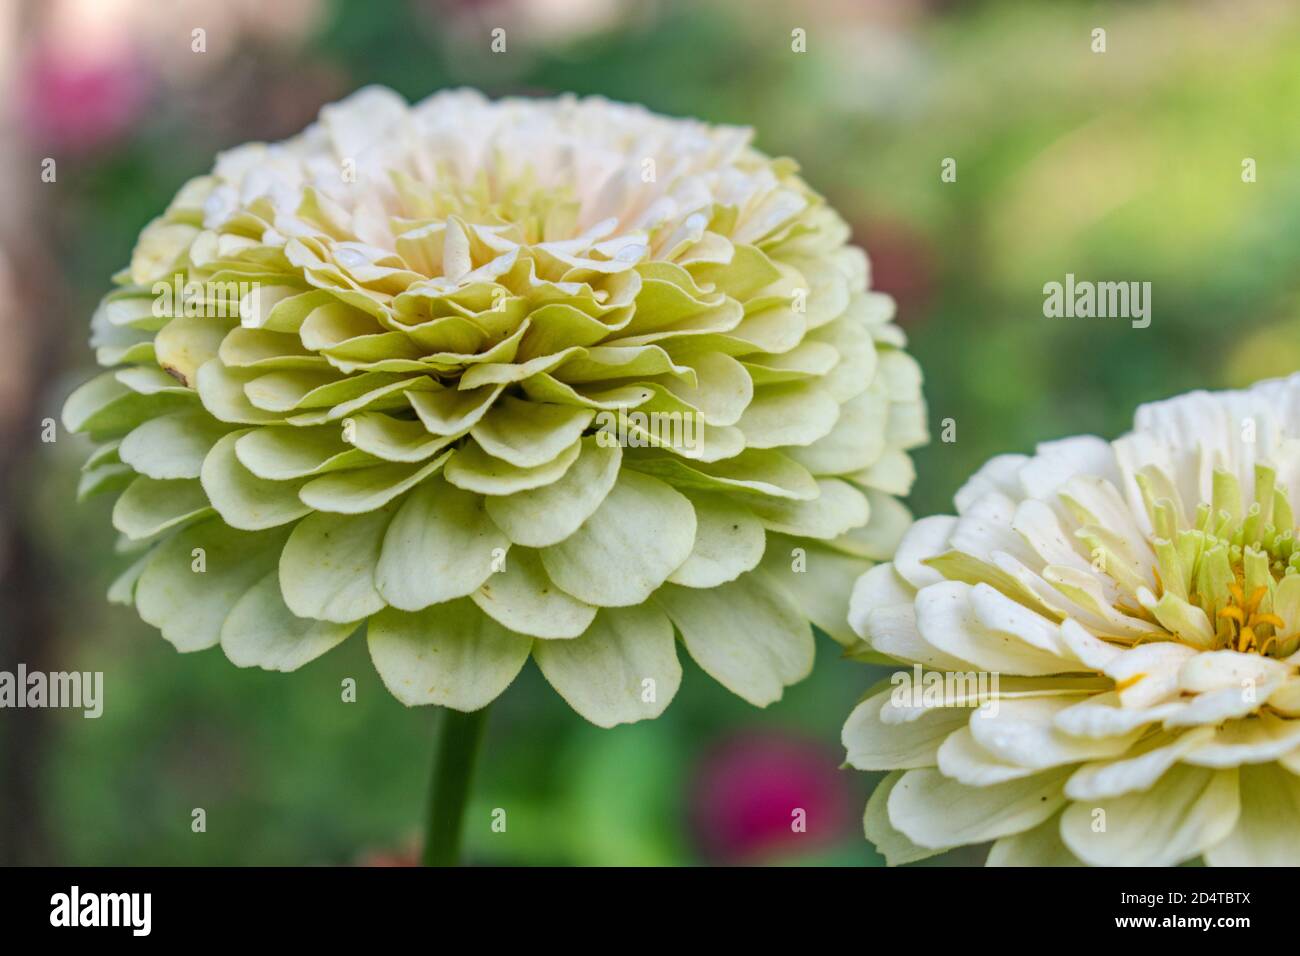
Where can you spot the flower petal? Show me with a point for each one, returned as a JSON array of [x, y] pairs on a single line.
[[1186, 811], [745, 634], [241, 498], [450, 654], [440, 545], [528, 434], [729, 541], [522, 598], [261, 631], [623, 669], [935, 811], [874, 745], [195, 577], [639, 535], [327, 568], [547, 515], [1268, 830]]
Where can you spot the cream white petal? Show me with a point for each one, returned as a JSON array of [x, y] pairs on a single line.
[[1023, 733], [1138, 769], [946, 619], [1259, 738], [925, 539], [935, 811], [1040, 846], [1186, 811], [871, 744], [1268, 829], [964, 760], [893, 845]]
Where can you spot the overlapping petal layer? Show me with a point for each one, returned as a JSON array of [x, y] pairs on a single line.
[[1138, 603], [559, 377]]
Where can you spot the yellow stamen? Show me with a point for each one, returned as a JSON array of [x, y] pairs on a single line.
[[1247, 639]]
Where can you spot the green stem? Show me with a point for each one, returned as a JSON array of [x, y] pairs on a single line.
[[459, 736]]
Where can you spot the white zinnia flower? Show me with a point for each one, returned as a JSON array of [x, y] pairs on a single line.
[[1139, 602], [407, 421]]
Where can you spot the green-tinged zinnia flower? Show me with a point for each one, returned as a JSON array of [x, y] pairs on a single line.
[[1128, 615], [551, 377]]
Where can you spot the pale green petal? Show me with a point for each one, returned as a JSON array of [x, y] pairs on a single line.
[[122, 590], [110, 477], [364, 489], [879, 538], [261, 631], [745, 634], [104, 406], [763, 471], [242, 499], [524, 599], [796, 413], [729, 541], [724, 388], [172, 446], [856, 442], [893, 473], [441, 545], [451, 412], [283, 452], [528, 434], [264, 349], [149, 380], [327, 568], [623, 669], [449, 654], [221, 390], [547, 515], [818, 578], [184, 344], [150, 506], [473, 469], [195, 577], [393, 439], [839, 507], [639, 535]]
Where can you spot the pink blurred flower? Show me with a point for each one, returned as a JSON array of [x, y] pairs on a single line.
[[903, 264], [81, 103], [746, 797]]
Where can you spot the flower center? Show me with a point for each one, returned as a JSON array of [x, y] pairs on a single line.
[[1237, 564]]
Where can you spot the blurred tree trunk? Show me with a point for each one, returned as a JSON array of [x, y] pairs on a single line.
[[30, 300]]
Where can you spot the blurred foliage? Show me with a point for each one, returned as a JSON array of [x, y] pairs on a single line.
[[1122, 166]]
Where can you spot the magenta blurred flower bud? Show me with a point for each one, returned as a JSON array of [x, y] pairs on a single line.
[[760, 795], [81, 103]]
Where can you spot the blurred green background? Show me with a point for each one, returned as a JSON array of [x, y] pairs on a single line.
[[1123, 165]]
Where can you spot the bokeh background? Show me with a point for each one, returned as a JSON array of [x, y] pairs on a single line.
[[1122, 166]]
